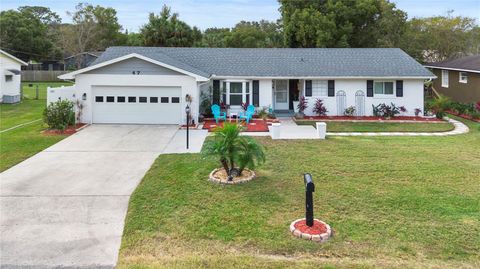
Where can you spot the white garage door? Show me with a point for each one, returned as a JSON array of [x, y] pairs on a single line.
[[137, 105]]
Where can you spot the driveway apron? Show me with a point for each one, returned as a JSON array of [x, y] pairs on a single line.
[[66, 206]]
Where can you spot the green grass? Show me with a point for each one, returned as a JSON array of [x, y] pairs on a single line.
[[19, 144], [394, 202], [30, 92], [383, 126]]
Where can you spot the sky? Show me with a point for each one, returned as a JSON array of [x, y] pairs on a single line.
[[226, 13]]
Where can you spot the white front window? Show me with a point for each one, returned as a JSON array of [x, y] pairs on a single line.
[[445, 78], [462, 77], [383, 87], [319, 87], [234, 93]]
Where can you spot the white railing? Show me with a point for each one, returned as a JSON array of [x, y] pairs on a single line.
[[61, 93]]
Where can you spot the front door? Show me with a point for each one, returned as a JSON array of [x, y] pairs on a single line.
[[281, 94]]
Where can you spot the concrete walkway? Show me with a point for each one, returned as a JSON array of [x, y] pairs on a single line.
[[66, 206]]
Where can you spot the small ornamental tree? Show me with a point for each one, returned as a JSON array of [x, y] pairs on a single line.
[[235, 152], [302, 105], [319, 108], [59, 115]]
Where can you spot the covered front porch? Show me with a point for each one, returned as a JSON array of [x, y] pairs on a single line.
[[275, 95]]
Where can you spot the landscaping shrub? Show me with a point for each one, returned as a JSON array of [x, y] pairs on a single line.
[[59, 115], [319, 108], [417, 112], [439, 105], [349, 111], [386, 111], [477, 106]]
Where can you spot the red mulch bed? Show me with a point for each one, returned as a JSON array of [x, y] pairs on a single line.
[[468, 117], [254, 125], [370, 118], [317, 228], [69, 131]]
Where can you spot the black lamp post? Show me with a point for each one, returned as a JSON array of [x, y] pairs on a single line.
[[187, 111]]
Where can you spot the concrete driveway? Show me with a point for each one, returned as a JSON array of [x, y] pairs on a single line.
[[66, 205]]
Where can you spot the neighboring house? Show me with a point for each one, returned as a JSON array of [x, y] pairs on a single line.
[[81, 60], [458, 78], [51, 65], [10, 85], [149, 85]]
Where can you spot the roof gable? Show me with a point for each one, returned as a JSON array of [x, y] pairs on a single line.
[[13, 57], [96, 65]]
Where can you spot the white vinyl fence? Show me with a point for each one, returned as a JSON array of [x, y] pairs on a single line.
[[61, 93]]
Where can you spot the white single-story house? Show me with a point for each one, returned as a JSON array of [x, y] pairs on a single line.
[[150, 85], [10, 83]]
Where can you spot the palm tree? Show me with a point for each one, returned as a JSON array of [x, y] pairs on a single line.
[[231, 148]]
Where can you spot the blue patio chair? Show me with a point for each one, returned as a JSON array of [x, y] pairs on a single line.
[[247, 115], [217, 114]]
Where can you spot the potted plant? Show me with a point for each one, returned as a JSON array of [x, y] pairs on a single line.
[[235, 152], [302, 105], [417, 112]]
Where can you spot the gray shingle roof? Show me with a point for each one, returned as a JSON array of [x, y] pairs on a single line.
[[281, 62], [468, 63]]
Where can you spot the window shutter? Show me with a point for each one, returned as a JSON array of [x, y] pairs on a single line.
[[256, 93], [308, 88], [216, 92], [331, 88], [399, 88], [369, 88]]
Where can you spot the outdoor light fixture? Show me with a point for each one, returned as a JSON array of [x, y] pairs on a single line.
[[84, 96], [187, 111]]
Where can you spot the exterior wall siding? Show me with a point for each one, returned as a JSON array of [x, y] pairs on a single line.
[[12, 87], [128, 66], [412, 97], [461, 92]]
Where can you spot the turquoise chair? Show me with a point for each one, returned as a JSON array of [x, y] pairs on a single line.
[[247, 115], [217, 114]]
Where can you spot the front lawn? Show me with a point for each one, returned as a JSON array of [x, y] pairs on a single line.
[[21, 143], [394, 202], [345, 126]]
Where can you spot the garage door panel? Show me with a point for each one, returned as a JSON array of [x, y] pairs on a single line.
[[137, 105]]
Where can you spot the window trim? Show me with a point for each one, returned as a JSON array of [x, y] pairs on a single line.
[[246, 97], [313, 83], [445, 78], [465, 80], [393, 94]]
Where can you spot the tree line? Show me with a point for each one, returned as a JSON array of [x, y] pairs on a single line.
[[37, 33]]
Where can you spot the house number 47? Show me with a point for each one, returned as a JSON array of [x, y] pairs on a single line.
[[135, 72]]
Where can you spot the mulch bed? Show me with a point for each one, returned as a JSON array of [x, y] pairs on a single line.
[[468, 117], [317, 228], [371, 118], [68, 131], [254, 125]]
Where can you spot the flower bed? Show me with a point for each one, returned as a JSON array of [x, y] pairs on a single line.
[[254, 125], [68, 131], [371, 118], [319, 232], [468, 117], [219, 175]]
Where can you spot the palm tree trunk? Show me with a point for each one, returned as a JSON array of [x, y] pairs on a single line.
[[225, 166]]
